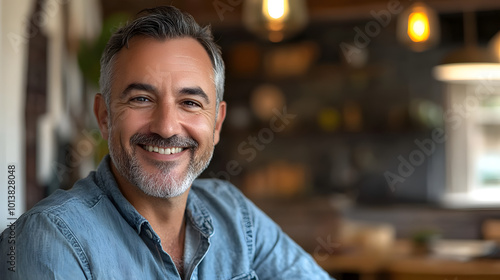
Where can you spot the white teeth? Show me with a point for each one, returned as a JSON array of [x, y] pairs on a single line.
[[163, 151]]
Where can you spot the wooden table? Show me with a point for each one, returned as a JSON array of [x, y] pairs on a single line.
[[407, 266], [399, 263]]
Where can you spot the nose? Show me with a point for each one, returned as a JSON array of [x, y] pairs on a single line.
[[165, 120]]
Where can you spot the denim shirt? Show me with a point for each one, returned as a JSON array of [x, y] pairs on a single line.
[[93, 232]]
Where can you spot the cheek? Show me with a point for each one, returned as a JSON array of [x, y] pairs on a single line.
[[120, 115], [201, 129], [126, 123]]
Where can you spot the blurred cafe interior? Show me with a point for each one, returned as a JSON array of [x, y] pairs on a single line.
[[368, 130]]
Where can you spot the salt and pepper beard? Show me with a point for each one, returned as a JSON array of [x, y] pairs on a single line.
[[160, 184]]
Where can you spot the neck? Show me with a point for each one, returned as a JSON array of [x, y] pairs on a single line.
[[166, 215]]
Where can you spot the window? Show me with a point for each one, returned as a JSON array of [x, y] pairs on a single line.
[[472, 121]]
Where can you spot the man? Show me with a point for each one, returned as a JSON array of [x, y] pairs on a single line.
[[142, 215]]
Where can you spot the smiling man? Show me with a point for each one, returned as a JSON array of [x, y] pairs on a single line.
[[142, 214]]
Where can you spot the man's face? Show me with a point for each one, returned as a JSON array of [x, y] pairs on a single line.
[[162, 124]]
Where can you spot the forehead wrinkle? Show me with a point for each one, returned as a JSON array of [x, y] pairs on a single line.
[[190, 66], [191, 58], [171, 68]]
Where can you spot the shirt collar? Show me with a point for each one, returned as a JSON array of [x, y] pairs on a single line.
[[197, 212], [107, 182]]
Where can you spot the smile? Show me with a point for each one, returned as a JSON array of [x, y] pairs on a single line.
[[162, 151]]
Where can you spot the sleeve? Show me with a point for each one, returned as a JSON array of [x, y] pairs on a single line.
[[41, 247], [277, 256]]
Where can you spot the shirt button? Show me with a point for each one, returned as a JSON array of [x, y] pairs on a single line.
[[150, 235]]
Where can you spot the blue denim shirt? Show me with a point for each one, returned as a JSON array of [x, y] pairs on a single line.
[[93, 232]]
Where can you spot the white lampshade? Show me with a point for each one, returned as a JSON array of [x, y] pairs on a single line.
[[470, 63]]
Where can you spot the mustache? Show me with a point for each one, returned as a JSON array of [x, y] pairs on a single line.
[[154, 139]]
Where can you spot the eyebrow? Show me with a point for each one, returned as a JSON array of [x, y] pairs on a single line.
[[139, 86], [197, 91]]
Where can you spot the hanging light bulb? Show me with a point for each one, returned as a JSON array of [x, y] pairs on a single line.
[[275, 20], [275, 10], [418, 27]]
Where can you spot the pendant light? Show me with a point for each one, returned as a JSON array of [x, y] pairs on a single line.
[[275, 20], [470, 63], [418, 27]]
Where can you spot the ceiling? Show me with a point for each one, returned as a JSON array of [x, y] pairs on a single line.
[[319, 10]]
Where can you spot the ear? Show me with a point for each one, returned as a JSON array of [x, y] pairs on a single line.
[[101, 114], [218, 122]]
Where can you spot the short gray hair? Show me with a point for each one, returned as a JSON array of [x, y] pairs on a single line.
[[165, 22]]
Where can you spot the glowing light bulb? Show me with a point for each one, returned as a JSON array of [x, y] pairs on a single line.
[[275, 20], [418, 27], [275, 9]]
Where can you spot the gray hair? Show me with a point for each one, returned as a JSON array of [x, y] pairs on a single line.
[[165, 22]]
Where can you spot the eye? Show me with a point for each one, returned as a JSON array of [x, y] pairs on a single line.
[[190, 103], [140, 99]]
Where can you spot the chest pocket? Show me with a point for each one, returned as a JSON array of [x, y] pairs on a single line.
[[247, 276]]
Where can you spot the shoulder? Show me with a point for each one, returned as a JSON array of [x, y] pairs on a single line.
[[61, 209], [83, 195], [242, 225], [56, 220]]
